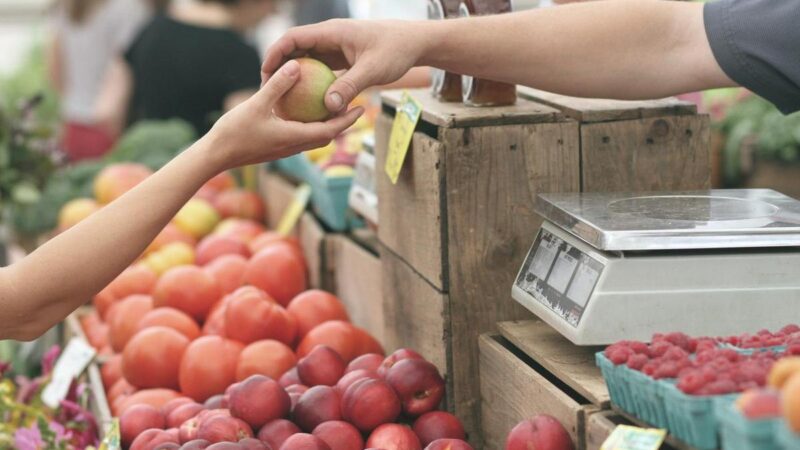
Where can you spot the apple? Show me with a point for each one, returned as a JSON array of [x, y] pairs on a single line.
[[541, 432], [305, 101], [418, 384]]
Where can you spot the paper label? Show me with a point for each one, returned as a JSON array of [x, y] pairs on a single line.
[[626, 437], [408, 113], [69, 366], [295, 209]]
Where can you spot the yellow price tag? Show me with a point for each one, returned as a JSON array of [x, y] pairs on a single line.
[[408, 112], [295, 209], [626, 437]]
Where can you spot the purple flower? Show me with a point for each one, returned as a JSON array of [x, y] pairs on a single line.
[[4, 367], [29, 439], [49, 359]]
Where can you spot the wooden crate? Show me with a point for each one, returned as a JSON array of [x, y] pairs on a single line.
[[278, 193], [653, 145], [599, 426], [514, 388], [357, 282]]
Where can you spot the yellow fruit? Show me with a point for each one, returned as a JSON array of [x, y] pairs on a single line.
[[339, 171], [117, 179], [197, 218], [75, 211], [320, 153], [172, 255], [791, 402], [782, 371]]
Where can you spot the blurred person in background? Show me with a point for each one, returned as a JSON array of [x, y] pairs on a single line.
[[86, 36], [307, 12], [191, 63]]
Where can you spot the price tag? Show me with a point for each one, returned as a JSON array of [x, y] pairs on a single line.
[[111, 441], [70, 364], [408, 113], [626, 437], [294, 210]]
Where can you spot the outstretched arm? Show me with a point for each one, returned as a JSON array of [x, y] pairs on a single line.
[[624, 49], [51, 282]]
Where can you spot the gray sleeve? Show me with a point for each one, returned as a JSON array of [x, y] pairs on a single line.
[[129, 17], [757, 44]]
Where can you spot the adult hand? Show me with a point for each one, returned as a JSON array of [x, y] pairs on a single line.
[[251, 133], [372, 52]]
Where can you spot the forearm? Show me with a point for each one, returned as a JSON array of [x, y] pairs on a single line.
[[627, 49], [68, 270]]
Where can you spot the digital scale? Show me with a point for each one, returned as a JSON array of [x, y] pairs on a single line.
[[608, 267], [363, 197]]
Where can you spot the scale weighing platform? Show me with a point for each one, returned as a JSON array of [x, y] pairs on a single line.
[[608, 267]]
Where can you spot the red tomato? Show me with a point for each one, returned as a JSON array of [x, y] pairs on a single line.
[[208, 367], [171, 318], [153, 356], [314, 307], [277, 271], [189, 289]]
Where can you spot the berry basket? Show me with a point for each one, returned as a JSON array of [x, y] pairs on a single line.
[[787, 439], [618, 382], [649, 398], [295, 166], [740, 433], [751, 351], [692, 419]]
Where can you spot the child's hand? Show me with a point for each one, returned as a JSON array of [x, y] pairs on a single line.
[[250, 133]]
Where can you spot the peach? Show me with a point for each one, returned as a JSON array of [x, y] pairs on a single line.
[[136, 420], [111, 370], [220, 428], [782, 370], [196, 444], [369, 403], [276, 432], [318, 404], [267, 357], [370, 361], [249, 318], [350, 378], [305, 101], [290, 377], [126, 315], [323, 366], [448, 444], [392, 436], [228, 270], [339, 435], [252, 444], [541, 431], [438, 425], [303, 441], [258, 400], [182, 413], [212, 247], [75, 211], [117, 179], [240, 203], [152, 438], [418, 384], [394, 358], [278, 271], [189, 289], [243, 229]]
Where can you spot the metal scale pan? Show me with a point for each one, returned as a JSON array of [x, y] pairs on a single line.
[[606, 267]]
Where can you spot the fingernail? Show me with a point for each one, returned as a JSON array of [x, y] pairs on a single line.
[[291, 68], [336, 101]]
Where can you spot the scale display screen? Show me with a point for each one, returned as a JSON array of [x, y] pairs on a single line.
[[559, 276]]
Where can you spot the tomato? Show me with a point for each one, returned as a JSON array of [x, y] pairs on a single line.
[[208, 367], [267, 357], [214, 246], [153, 397], [170, 234], [314, 307], [228, 270], [367, 343], [268, 238], [221, 182], [111, 370], [277, 271], [336, 334], [189, 289], [153, 356], [136, 279], [120, 388], [242, 229], [249, 318], [171, 318], [124, 322], [240, 203]]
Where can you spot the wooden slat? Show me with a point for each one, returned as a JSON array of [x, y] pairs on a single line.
[[493, 177], [589, 110], [277, 193], [358, 285], [667, 153], [98, 403], [572, 364], [512, 391], [599, 426], [415, 312], [669, 444], [456, 115], [412, 211], [312, 239]]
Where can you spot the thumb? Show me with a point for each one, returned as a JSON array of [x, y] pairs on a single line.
[[279, 83], [347, 87]]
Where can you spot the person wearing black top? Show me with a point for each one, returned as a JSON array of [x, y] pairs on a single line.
[[191, 63]]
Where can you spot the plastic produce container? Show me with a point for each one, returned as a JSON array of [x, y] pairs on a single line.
[[693, 419], [740, 433]]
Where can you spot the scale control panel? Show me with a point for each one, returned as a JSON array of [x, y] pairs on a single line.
[[559, 275]]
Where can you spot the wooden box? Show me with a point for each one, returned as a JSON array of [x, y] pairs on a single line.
[[459, 222], [357, 282], [278, 192]]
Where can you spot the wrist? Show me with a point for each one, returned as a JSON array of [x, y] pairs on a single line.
[[207, 157], [432, 36]]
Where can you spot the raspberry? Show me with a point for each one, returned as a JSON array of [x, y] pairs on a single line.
[[659, 348], [639, 347], [720, 387], [679, 339], [789, 329], [637, 361], [650, 368], [793, 350], [691, 382], [676, 354], [705, 344], [669, 369], [620, 355]]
